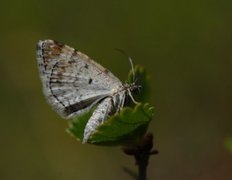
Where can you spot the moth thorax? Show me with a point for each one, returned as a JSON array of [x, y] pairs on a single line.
[[118, 90]]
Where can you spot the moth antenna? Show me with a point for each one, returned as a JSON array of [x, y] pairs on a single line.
[[132, 68], [130, 60]]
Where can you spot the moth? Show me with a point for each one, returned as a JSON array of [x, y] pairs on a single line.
[[73, 84]]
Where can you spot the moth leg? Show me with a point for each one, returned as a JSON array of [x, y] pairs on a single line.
[[132, 98], [123, 101], [119, 101]]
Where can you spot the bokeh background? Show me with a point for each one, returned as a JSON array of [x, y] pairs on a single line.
[[185, 47]]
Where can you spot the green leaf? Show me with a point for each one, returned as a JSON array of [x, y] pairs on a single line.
[[121, 128], [228, 144]]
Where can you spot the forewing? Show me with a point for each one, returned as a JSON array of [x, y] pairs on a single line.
[[72, 82]]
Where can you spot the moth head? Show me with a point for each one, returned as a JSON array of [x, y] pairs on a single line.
[[132, 89]]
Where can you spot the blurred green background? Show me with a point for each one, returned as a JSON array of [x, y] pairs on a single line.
[[185, 47]]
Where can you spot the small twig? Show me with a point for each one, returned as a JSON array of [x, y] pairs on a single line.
[[141, 152]]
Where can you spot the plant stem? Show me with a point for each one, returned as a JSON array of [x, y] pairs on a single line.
[[142, 169], [142, 152], [142, 162]]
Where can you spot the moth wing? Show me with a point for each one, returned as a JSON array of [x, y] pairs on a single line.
[[72, 82], [100, 114]]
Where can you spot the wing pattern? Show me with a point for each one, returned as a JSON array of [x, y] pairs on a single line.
[[72, 82]]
